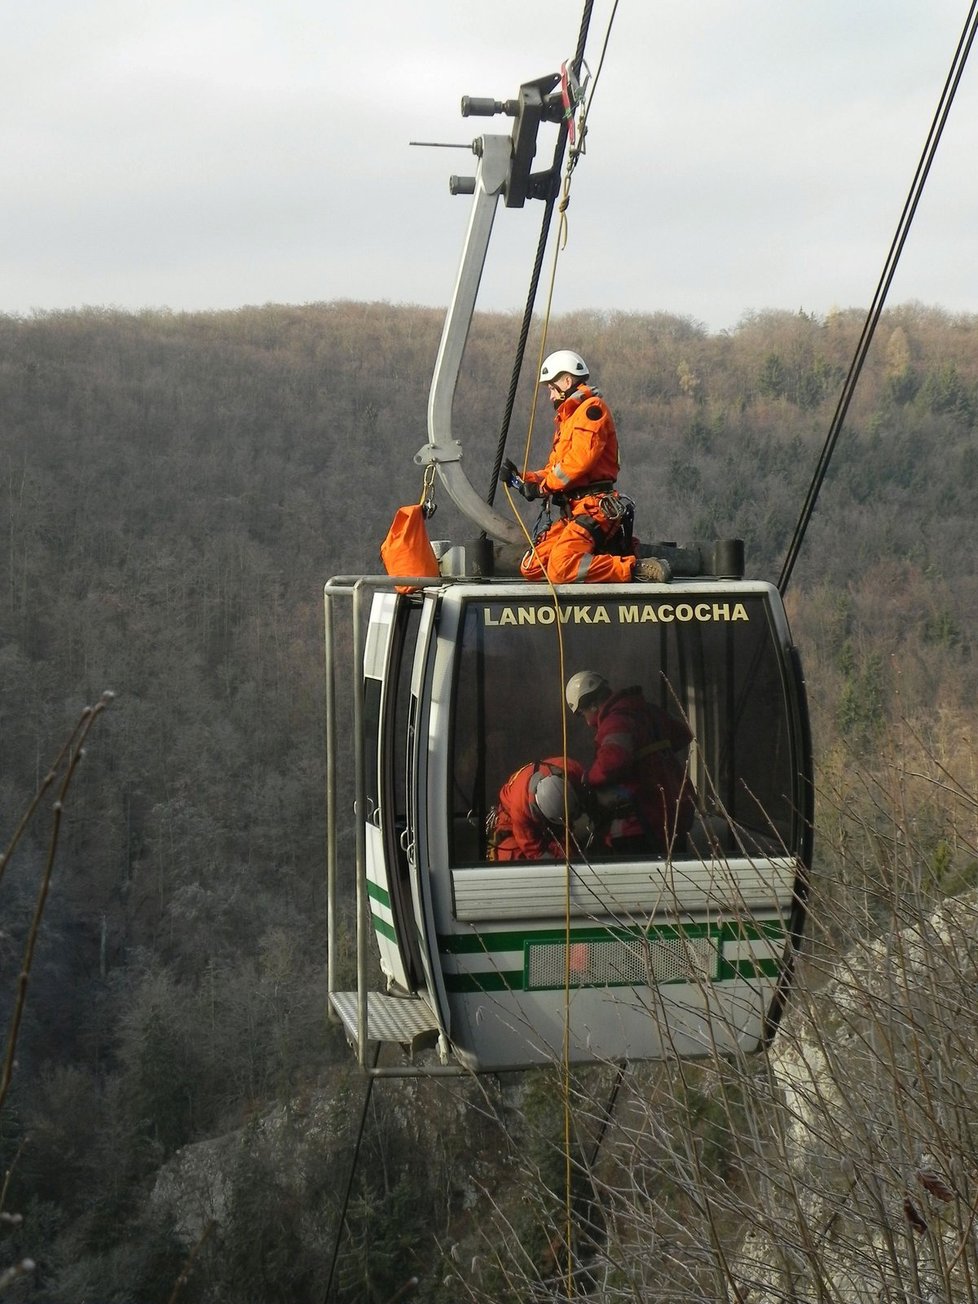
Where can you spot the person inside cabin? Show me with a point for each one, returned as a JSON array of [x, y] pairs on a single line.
[[642, 795], [591, 538], [535, 805]]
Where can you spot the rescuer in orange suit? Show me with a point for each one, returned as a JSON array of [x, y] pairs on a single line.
[[528, 821], [586, 541], [638, 779]]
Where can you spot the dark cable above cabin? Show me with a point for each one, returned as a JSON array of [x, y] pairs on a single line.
[[527, 317], [537, 266], [879, 299]]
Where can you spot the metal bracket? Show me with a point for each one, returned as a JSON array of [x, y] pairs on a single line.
[[429, 455], [495, 153]]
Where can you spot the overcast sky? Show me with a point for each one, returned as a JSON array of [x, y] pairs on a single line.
[[742, 154]]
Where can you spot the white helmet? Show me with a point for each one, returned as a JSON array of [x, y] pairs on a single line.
[[549, 799], [583, 685], [561, 361]]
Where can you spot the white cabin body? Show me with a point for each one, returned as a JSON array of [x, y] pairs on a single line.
[[592, 956]]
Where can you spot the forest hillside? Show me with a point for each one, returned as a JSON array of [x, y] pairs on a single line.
[[174, 490]]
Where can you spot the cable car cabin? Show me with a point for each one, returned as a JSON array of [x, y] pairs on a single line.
[[605, 953]]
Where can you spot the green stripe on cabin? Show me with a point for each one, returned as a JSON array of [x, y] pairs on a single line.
[[378, 893], [384, 928], [622, 957], [489, 943]]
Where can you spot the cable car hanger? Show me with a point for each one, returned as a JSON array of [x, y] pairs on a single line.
[[503, 170]]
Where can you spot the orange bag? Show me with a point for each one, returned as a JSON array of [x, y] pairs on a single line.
[[407, 549]]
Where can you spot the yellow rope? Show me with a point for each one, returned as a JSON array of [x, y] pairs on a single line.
[[560, 244], [563, 233], [565, 1049]]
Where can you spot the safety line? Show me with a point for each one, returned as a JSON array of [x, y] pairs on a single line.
[[565, 1047], [560, 244], [562, 235], [882, 289], [537, 265]]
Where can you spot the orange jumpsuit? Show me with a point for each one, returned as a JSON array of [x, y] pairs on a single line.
[[584, 454], [520, 834]]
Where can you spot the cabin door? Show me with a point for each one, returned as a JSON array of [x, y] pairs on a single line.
[[388, 659]]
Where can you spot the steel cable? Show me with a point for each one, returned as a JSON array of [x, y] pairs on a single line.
[[882, 289]]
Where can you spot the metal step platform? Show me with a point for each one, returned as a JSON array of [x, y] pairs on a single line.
[[405, 1020]]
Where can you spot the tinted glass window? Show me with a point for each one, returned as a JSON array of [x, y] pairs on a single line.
[[710, 662]]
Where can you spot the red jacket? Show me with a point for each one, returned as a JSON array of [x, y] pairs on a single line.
[[585, 447], [521, 834], [638, 775]]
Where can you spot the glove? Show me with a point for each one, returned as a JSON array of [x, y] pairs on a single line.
[[508, 475]]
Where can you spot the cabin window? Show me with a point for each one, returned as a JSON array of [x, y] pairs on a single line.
[[713, 661]]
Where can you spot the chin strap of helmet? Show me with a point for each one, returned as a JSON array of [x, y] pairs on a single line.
[[571, 392]]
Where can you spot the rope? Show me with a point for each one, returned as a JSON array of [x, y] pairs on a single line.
[[568, 873], [563, 236], [565, 1045], [882, 289], [537, 266], [560, 244]]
